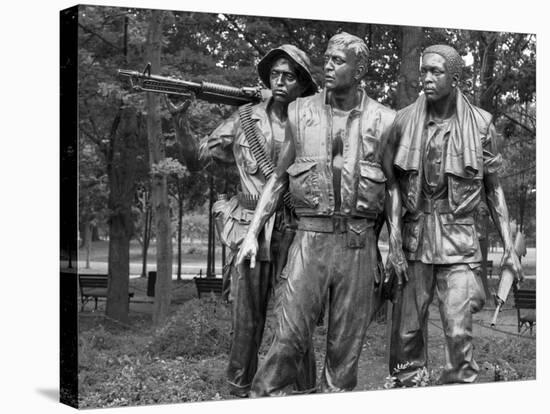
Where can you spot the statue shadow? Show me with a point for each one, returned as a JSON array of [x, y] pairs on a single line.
[[49, 393]]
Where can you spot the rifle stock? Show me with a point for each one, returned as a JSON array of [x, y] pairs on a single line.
[[207, 91], [507, 279]]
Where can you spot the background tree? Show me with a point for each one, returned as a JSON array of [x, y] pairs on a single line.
[[159, 183], [408, 84], [114, 128], [92, 194], [143, 220], [225, 48]]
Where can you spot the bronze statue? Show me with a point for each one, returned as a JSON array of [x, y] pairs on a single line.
[[442, 150], [286, 71], [330, 160]]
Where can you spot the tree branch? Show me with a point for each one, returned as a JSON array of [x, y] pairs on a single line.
[[91, 136], [518, 141], [291, 35], [531, 131], [91, 32], [91, 120], [518, 172], [246, 36]]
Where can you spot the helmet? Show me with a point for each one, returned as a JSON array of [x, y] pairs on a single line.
[[300, 59]]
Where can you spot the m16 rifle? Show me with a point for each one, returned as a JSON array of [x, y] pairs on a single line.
[[210, 92], [508, 279]]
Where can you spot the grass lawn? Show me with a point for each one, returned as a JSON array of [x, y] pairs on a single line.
[[185, 360], [191, 251]]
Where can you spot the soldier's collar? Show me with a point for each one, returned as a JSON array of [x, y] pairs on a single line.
[[259, 110], [357, 109]]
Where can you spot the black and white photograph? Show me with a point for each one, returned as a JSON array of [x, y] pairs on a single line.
[[271, 209]]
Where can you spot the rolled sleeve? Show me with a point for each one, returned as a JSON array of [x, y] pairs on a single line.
[[227, 131]]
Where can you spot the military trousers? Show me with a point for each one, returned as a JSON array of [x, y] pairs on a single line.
[[250, 292], [320, 264], [460, 294]]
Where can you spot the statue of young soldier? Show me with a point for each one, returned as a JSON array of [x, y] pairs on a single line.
[[331, 162], [286, 70], [443, 153]]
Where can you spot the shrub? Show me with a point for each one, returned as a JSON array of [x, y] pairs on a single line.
[[198, 328]]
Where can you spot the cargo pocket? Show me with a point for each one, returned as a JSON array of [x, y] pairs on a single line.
[[476, 293], [371, 187], [411, 233], [459, 235], [304, 184], [232, 221], [356, 234], [249, 163], [465, 194]]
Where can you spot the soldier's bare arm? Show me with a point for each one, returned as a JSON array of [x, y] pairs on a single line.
[[393, 208], [188, 145]]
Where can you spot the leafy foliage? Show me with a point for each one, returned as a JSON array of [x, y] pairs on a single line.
[[225, 48], [173, 364], [115, 373], [198, 329]]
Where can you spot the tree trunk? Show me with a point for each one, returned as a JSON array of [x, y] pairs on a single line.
[[488, 42], [522, 203], [180, 223], [409, 74], [210, 257], [121, 172], [86, 229], [88, 242], [95, 234], [122, 175], [146, 238], [487, 45], [159, 184]]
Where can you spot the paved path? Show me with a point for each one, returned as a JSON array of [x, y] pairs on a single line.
[[192, 268], [189, 270]]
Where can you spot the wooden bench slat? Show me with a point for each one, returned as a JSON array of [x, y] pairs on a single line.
[[525, 299], [94, 286], [207, 285]]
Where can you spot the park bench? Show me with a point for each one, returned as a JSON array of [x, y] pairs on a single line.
[[205, 285], [526, 299], [94, 286]]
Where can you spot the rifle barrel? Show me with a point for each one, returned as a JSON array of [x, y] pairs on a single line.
[[210, 92]]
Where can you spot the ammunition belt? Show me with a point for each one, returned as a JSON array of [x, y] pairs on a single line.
[[248, 201], [258, 151], [428, 205]]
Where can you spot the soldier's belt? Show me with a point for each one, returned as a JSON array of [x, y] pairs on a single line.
[[332, 224], [428, 205]]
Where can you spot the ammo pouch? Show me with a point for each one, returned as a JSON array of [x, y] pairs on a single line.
[[356, 233], [304, 184], [371, 188], [232, 221]]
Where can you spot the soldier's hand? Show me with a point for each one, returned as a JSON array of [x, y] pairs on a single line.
[[213, 142], [397, 259], [511, 261], [181, 108], [248, 250]]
